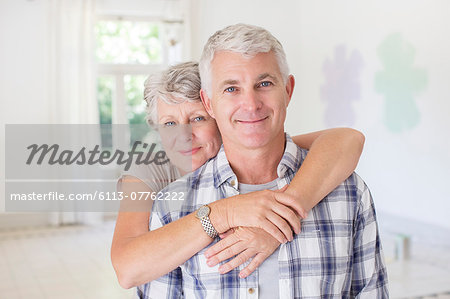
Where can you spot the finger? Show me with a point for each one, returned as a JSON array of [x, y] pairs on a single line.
[[226, 254], [281, 224], [256, 261], [289, 215], [221, 245], [227, 233], [305, 214], [291, 202], [237, 261], [284, 218], [274, 231]]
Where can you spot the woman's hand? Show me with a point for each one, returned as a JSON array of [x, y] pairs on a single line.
[[245, 242], [276, 212]]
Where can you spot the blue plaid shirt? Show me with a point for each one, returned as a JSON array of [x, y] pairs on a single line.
[[337, 254]]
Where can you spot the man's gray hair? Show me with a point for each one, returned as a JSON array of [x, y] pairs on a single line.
[[248, 40], [177, 84]]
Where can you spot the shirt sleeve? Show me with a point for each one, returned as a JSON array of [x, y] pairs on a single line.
[[169, 286], [369, 277]]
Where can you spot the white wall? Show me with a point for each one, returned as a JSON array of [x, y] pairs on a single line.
[[408, 172], [23, 85], [131, 7], [23, 60]]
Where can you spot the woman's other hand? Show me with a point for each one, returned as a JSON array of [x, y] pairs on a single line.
[[243, 243]]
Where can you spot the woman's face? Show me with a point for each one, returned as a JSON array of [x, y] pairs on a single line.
[[188, 133]]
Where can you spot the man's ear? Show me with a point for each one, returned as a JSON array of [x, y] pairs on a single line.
[[290, 88], [206, 102]]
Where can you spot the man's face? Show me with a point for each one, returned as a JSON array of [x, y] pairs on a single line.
[[248, 98]]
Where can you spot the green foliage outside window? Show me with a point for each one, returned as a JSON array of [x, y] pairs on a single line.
[[105, 89], [136, 112], [134, 90], [127, 42]]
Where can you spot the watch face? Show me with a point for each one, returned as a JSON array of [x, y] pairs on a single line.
[[203, 211]]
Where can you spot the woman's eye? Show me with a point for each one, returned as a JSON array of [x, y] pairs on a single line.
[[265, 84], [198, 118], [230, 89], [169, 124]]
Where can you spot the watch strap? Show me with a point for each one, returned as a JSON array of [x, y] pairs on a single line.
[[208, 227]]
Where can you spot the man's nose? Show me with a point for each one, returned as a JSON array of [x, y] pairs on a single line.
[[251, 101]]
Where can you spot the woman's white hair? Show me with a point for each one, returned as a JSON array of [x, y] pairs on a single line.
[[248, 40], [177, 84]]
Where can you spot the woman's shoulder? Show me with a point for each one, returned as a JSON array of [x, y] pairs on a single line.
[[153, 175]]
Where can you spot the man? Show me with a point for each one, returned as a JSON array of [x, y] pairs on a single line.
[[246, 87]]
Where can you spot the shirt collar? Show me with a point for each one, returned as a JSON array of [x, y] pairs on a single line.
[[222, 169], [289, 161], [291, 158]]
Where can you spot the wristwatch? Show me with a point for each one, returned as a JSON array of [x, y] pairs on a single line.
[[203, 215]]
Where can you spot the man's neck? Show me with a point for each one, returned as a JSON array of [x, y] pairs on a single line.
[[256, 166]]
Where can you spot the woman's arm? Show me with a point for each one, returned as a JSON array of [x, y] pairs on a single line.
[[139, 255], [333, 156]]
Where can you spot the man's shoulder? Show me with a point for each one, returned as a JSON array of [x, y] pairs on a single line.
[[352, 187], [297, 155], [352, 195], [345, 202]]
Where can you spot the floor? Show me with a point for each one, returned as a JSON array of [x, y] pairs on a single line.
[[426, 274], [67, 262], [73, 262]]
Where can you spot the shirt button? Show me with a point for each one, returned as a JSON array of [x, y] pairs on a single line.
[[251, 290], [233, 183]]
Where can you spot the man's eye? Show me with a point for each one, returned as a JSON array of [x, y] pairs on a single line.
[[230, 89], [169, 124], [198, 118], [266, 83]]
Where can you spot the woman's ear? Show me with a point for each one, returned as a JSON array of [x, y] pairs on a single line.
[[206, 102]]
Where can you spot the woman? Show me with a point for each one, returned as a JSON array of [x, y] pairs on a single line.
[[139, 255]]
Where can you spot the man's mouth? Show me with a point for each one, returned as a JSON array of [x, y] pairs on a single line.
[[252, 121]]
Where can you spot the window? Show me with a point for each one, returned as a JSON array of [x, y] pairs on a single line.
[[128, 42], [128, 50]]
